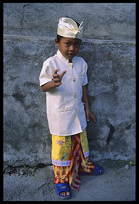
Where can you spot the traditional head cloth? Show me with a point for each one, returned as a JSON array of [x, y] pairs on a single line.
[[69, 28]]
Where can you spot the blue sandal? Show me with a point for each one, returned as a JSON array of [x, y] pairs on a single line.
[[98, 170], [62, 187]]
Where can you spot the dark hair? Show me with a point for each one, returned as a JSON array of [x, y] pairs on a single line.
[[77, 23], [59, 37]]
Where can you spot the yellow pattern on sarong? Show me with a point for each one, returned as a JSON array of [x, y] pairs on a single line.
[[61, 148]]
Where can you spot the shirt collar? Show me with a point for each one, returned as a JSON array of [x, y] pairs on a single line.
[[59, 54]]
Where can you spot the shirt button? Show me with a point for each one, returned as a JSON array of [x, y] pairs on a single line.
[[75, 96], [74, 79]]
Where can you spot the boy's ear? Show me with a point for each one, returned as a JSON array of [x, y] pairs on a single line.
[[56, 42]]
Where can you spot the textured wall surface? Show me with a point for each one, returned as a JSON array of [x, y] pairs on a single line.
[[109, 49]]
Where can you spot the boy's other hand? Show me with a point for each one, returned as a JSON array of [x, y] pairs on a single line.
[[89, 114]]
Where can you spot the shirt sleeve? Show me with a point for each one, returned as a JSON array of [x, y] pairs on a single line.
[[47, 71], [85, 79]]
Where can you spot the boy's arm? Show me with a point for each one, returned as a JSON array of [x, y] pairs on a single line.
[[48, 86], [85, 100]]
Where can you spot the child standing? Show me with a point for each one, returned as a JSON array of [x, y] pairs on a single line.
[[64, 78]]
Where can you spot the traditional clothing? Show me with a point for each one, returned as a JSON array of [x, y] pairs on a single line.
[[69, 157], [61, 148], [69, 28], [65, 109]]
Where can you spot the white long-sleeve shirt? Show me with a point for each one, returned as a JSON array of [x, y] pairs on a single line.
[[65, 109]]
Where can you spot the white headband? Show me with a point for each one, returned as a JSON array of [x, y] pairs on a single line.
[[69, 28]]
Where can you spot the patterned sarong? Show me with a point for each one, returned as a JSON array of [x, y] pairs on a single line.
[[69, 156]]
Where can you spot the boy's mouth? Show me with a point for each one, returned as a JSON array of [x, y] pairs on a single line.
[[71, 53]]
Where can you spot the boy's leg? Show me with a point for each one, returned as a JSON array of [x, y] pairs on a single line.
[[86, 165], [61, 148], [61, 174]]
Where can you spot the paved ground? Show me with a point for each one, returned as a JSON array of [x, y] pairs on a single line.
[[28, 184]]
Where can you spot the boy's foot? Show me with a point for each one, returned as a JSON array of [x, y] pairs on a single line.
[[98, 170], [65, 193], [62, 190]]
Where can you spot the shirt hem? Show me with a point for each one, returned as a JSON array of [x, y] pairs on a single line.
[[69, 134]]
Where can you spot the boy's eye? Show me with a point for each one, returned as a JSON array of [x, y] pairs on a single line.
[[77, 44], [67, 43]]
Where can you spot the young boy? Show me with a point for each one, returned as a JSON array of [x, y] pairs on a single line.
[[64, 78]]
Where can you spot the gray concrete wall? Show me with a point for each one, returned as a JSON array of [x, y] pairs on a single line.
[[109, 49]]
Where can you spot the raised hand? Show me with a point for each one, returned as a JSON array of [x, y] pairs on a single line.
[[57, 78]]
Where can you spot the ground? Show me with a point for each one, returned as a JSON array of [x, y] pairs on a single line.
[[36, 184]]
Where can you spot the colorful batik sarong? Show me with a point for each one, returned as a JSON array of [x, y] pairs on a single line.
[[69, 156]]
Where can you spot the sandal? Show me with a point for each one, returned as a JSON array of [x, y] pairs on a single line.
[[98, 170], [62, 187]]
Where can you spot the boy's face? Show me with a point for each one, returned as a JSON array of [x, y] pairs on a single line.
[[68, 47]]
